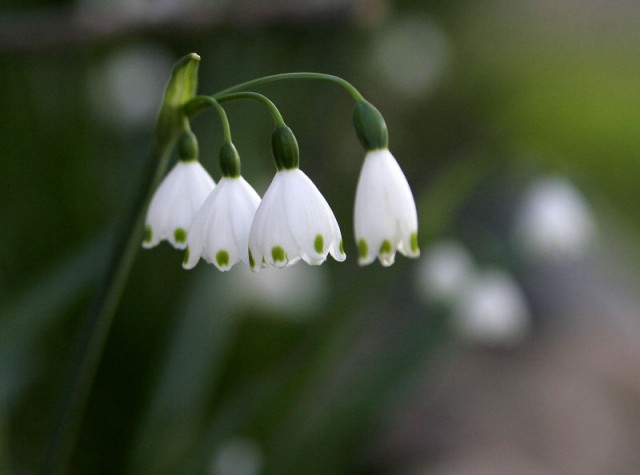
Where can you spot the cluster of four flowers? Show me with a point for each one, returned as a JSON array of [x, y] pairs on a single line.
[[228, 223]]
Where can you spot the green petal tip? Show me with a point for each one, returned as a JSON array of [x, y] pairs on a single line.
[[318, 244], [386, 247], [222, 258], [413, 241], [278, 254], [363, 249], [180, 235]]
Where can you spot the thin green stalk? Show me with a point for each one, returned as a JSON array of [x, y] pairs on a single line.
[[92, 341], [170, 124], [200, 103], [273, 110], [284, 76]]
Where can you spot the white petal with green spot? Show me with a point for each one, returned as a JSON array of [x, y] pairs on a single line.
[[220, 230], [294, 217], [385, 217], [175, 203]]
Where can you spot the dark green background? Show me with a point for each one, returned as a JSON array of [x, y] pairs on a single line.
[[521, 89]]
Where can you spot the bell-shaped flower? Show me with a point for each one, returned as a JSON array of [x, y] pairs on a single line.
[[220, 229], [293, 222], [385, 217], [175, 202]]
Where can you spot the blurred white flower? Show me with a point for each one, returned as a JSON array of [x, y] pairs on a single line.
[[385, 217], [219, 232], [293, 294], [293, 222], [237, 457], [175, 202], [554, 221], [411, 55], [492, 310], [444, 272], [126, 86]]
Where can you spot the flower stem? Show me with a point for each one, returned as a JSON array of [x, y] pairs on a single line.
[[200, 103], [98, 323], [286, 76], [273, 110]]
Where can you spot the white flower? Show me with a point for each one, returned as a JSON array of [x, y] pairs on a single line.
[[293, 222], [175, 203], [445, 272], [493, 310], [554, 222], [291, 295], [220, 229], [385, 217], [238, 456]]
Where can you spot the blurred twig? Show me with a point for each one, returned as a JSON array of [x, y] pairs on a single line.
[[58, 29]]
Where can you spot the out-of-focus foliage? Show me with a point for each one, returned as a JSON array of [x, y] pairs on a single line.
[[297, 371]]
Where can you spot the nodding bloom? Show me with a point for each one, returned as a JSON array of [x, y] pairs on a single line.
[[385, 217], [178, 197], [220, 229], [293, 221]]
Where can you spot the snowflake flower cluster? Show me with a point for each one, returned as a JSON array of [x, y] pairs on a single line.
[[228, 223]]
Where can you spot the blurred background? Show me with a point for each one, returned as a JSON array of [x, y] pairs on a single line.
[[511, 346]]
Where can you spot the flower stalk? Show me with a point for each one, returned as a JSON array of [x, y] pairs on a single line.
[[170, 124]]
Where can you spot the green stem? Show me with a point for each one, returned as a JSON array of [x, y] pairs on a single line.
[[98, 323], [273, 110], [285, 76], [200, 103]]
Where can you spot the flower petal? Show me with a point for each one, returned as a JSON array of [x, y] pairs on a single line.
[[175, 202], [385, 217], [294, 222], [220, 230]]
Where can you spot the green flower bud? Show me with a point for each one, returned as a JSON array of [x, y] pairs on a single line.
[[229, 160], [370, 127], [285, 148]]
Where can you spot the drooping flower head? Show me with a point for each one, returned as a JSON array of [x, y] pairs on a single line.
[[220, 229], [178, 197], [293, 221], [385, 217]]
